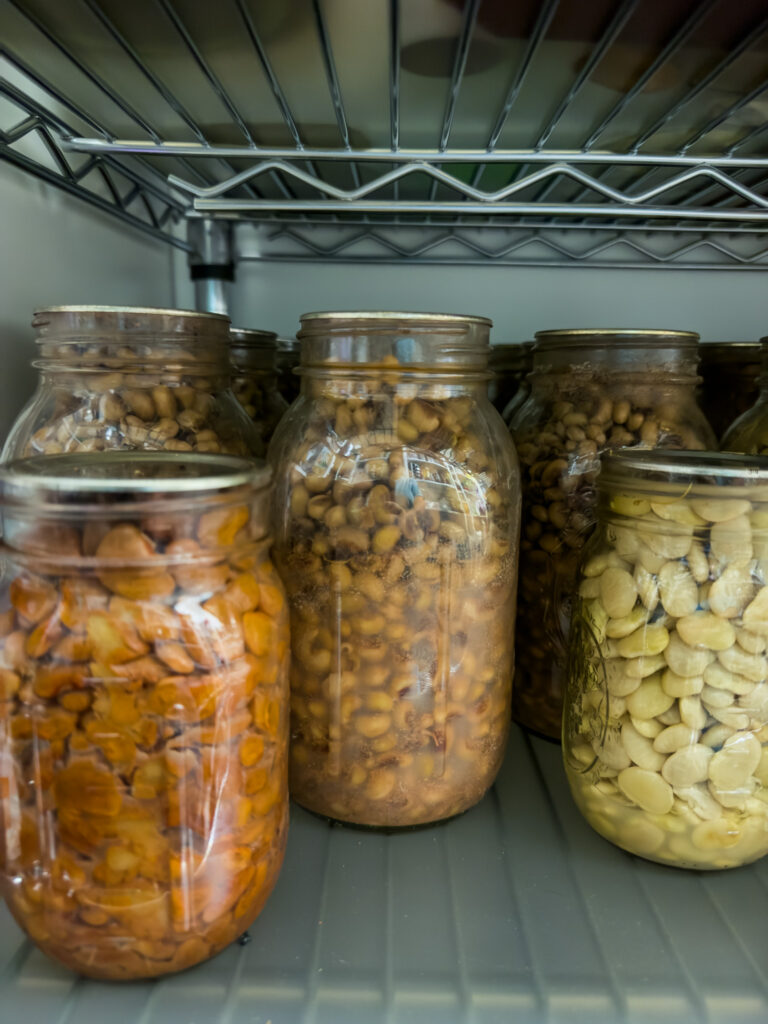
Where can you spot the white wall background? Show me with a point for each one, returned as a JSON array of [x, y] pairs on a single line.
[[720, 305], [55, 250]]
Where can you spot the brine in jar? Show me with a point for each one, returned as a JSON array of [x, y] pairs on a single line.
[[143, 707], [397, 504], [665, 733], [591, 391]]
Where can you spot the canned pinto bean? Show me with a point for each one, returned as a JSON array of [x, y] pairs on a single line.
[[125, 378], [397, 497], [591, 391], [143, 707], [665, 734]]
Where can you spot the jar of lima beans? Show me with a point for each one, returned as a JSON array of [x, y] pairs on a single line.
[[397, 503], [665, 730], [143, 707], [591, 391]]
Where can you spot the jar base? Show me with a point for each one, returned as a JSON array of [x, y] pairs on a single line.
[[380, 829]]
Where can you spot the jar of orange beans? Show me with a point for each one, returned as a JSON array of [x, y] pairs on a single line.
[[143, 707]]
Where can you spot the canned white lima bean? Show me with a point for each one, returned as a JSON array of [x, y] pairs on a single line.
[[665, 731]]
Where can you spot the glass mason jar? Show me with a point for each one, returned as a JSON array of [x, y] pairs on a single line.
[[288, 355], [113, 378], [749, 432], [590, 391], [507, 363], [729, 381], [517, 400], [254, 380], [665, 730], [143, 707], [397, 500]]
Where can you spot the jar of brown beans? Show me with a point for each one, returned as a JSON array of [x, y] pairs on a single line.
[[591, 391], [143, 707], [131, 379], [254, 380], [397, 498]]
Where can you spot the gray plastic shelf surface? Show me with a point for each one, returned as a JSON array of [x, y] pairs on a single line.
[[516, 912]]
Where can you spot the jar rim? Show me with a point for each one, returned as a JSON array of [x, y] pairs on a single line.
[[636, 466], [140, 310], [371, 316], [252, 337], [650, 338], [136, 475]]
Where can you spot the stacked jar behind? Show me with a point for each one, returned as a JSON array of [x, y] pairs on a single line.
[[397, 495], [749, 432], [288, 350], [729, 381], [143, 707], [508, 364], [254, 380], [590, 391], [665, 731], [128, 378]]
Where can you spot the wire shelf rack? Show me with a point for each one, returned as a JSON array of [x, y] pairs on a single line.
[[428, 131]]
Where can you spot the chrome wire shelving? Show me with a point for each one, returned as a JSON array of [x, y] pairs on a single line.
[[627, 133]]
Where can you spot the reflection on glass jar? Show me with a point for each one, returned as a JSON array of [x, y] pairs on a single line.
[[397, 496], [253, 357], [729, 381], [665, 733], [127, 378], [590, 391], [143, 707], [749, 432]]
